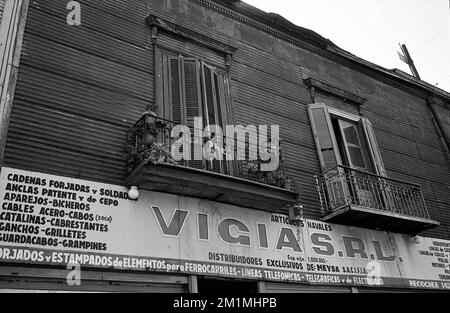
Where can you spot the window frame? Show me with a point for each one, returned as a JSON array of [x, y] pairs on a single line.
[[361, 147], [366, 129], [218, 75]]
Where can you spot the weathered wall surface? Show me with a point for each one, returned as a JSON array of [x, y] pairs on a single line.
[[81, 87], [2, 6], [441, 111]]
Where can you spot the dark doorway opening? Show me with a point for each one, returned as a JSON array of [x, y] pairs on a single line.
[[209, 286]]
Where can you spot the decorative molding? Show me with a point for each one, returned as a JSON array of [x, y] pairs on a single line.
[[340, 113], [329, 52], [346, 95], [159, 24], [154, 33], [260, 26]]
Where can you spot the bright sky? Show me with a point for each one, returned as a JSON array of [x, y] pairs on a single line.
[[372, 29]]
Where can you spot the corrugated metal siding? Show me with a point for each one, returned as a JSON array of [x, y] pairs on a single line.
[[336, 102], [443, 117], [80, 88], [412, 150], [2, 6]]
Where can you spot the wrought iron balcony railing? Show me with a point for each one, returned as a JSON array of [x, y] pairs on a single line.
[[343, 186], [150, 142]]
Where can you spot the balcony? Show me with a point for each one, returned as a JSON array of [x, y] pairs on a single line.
[[152, 167], [353, 197]]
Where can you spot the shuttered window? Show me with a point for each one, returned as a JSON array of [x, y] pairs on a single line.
[[344, 139], [352, 143], [340, 141], [188, 87]]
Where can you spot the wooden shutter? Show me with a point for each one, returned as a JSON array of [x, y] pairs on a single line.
[[387, 194], [225, 116], [189, 88], [192, 101], [338, 191], [177, 108], [373, 146], [212, 108], [324, 136], [192, 95], [210, 116], [233, 167], [220, 118]]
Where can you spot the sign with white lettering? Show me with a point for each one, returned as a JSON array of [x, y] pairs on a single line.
[[46, 219]]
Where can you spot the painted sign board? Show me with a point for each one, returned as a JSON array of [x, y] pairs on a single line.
[[47, 219]]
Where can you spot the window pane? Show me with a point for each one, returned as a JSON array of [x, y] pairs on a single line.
[[351, 135], [356, 156]]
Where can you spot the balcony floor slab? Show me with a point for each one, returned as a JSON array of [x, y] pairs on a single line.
[[181, 180], [354, 215]]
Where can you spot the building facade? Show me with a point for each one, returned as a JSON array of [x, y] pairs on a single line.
[[97, 181]]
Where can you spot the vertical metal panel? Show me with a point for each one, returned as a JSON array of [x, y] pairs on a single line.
[[75, 101], [32, 279], [12, 30], [2, 6]]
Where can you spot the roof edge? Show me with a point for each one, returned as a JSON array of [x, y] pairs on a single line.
[[280, 24]]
